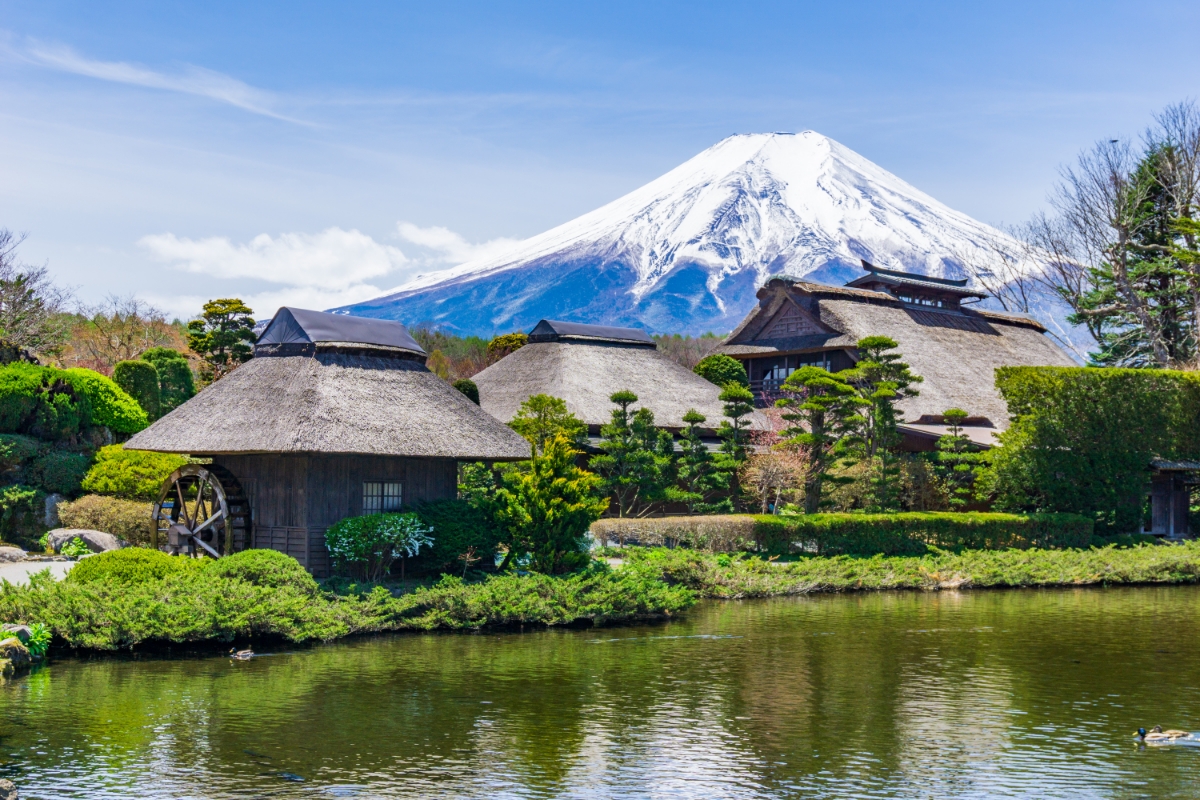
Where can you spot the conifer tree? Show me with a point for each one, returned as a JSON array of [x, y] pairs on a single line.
[[737, 404], [822, 408], [956, 461], [223, 335], [637, 461], [698, 477], [542, 417]]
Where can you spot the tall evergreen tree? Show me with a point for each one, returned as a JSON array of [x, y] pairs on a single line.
[[698, 478], [881, 379], [957, 460], [821, 408], [637, 459], [223, 335]]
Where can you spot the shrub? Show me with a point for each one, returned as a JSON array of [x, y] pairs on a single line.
[[1082, 439], [457, 528], [58, 471], [41, 401], [270, 569], [367, 545], [139, 380], [130, 565], [110, 406], [504, 344], [20, 513], [131, 474], [722, 370], [904, 533], [39, 640], [175, 382], [16, 451], [127, 519], [468, 388]]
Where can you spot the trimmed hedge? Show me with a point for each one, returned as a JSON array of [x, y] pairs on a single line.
[[110, 406], [906, 533], [130, 474], [127, 519], [56, 404], [131, 565], [139, 380]]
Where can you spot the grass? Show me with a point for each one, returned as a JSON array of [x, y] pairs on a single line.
[[239, 598], [726, 576]]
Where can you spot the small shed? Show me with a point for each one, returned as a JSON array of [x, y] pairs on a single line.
[[586, 364], [1171, 486], [335, 416]]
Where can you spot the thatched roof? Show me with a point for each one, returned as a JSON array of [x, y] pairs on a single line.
[[549, 330], [585, 372], [955, 351], [349, 397]]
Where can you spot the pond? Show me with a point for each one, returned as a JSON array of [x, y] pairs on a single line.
[[951, 695]]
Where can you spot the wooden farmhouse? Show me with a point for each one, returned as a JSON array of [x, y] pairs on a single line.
[[954, 347], [585, 364], [335, 416]]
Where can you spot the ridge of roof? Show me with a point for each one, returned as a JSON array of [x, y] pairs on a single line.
[[550, 330], [301, 326]]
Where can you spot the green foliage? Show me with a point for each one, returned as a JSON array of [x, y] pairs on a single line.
[[1082, 439], [367, 545], [39, 640], [139, 380], [268, 569], [58, 471], [175, 382], [128, 519], [223, 335], [881, 380], [241, 596], [506, 343], [698, 477], [130, 474], [737, 404], [722, 370], [461, 531], [957, 462], [110, 406], [637, 465], [42, 402], [542, 417], [20, 507], [822, 410], [756, 577], [544, 509], [74, 548], [130, 565], [468, 388], [16, 452]]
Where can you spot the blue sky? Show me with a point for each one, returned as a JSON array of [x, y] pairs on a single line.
[[317, 153]]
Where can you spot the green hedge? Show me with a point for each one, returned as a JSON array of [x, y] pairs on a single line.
[[110, 406], [906, 533], [1082, 439], [56, 404], [131, 474], [139, 380]]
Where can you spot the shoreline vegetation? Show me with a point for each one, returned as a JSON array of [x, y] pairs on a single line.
[[134, 597]]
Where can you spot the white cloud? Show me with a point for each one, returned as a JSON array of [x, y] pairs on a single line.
[[333, 260], [190, 80], [449, 247], [266, 303]]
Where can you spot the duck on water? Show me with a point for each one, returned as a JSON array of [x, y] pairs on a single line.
[[1157, 735]]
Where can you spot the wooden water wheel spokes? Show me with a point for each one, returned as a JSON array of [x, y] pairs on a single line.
[[201, 511]]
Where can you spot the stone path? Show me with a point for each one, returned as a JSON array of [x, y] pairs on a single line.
[[19, 571]]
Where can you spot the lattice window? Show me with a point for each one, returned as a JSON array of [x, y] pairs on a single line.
[[791, 321], [381, 498]]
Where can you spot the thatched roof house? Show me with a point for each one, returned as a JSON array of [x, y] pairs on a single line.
[[585, 364], [955, 348], [332, 414]]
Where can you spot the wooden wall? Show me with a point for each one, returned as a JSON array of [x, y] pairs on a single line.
[[295, 498]]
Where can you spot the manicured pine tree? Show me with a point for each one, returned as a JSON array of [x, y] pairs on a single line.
[[546, 507], [738, 404], [633, 466], [223, 335], [823, 409], [957, 461], [881, 379], [698, 479]]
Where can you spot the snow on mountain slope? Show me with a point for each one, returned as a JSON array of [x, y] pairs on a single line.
[[686, 252]]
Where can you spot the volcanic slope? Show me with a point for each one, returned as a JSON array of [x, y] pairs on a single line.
[[686, 252]]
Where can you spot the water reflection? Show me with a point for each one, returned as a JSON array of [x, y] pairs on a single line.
[[987, 694]]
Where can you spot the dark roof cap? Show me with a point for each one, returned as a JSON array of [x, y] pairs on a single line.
[[895, 277], [299, 326], [549, 330]]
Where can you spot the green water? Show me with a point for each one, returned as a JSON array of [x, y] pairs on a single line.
[[953, 695]]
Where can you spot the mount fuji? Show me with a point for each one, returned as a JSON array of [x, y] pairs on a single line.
[[686, 252]]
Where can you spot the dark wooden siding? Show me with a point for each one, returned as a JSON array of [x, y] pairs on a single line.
[[295, 498]]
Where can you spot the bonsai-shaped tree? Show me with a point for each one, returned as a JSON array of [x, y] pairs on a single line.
[[698, 478], [223, 335], [637, 463], [738, 404], [821, 408], [542, 417], [957, 460], [545, 508], [722, 370], [881, 379]]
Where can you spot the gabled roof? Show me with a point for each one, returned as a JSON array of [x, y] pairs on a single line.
[[299, 326], [549, 330]]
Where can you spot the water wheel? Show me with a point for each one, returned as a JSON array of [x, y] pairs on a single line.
[[202, 510]]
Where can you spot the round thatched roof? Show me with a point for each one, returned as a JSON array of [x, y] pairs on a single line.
[[333, 401]]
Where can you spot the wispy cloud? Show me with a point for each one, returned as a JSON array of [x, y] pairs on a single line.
[[448, 247], [189, 79]]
